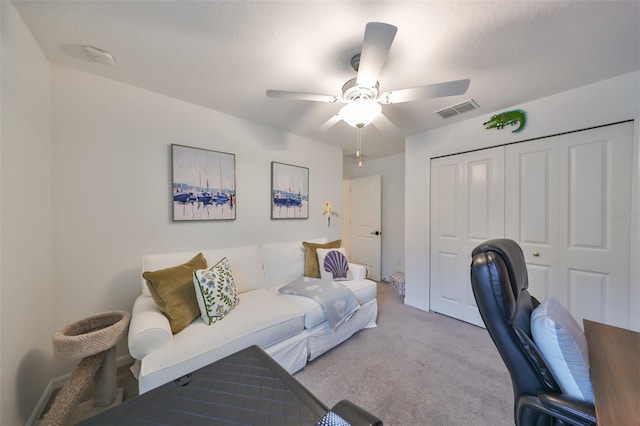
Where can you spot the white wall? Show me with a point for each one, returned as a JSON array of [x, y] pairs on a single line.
[[26, 269], [392, 171], [112, 177], [86, 191], [601, 103]]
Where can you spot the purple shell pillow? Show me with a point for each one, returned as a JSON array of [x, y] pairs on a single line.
[[334, 265]]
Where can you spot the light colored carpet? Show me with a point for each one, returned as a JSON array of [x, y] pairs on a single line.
[[416, 368]]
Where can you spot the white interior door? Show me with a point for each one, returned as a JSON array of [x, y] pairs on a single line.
[[467, 208], [568, 204], [366, 221]]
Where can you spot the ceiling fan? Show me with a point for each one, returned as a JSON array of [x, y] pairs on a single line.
[[361, 94]]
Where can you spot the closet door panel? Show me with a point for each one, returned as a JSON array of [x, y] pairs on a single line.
[[567, 204], [596, 213], [539, 280], [448, 201], [588, 187], [467, 208], [478, 199], [447, 222], [534, 210], [531, 211], [588, 293]]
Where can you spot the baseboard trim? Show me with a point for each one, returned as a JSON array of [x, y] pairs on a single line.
[[42, 403], [57, 383]]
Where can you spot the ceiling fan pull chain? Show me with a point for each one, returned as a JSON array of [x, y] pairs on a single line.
[[359, 146]]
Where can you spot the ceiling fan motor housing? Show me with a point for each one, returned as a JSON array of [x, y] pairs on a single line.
[[352, 92]]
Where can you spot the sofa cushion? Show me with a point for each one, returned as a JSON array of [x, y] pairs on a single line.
[[215, 291], [172, 290], [564, 348], [364, 290], [311, 268], [245, 262], [261, 318], [284, 262], [313, 313], [333, 264]]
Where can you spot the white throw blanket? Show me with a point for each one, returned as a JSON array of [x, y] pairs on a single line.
[[338, 301]]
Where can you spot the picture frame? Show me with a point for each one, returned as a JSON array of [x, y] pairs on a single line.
[[289, 191], [203, 184]]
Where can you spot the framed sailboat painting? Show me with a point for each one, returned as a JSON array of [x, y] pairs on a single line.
[[204, 184], [289, 191]]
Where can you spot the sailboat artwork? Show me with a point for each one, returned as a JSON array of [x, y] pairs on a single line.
[[289, 191], [204, 183]]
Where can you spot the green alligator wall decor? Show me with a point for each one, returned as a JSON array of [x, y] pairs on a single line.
[[498, 121]]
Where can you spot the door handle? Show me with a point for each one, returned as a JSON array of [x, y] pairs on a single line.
[[375, 233]]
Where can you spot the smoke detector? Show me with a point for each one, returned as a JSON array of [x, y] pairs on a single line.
[[100, 56]]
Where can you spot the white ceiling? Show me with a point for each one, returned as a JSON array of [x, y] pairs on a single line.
[[224, 55]]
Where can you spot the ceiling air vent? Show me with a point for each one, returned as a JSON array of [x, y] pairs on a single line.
[[465, 106]]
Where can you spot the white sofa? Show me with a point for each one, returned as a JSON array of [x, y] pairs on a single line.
[[292, 329]]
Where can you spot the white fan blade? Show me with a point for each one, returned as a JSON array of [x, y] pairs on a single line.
[[302, 96], [437, 90], [385, 125], [329, 123], [375, 48]]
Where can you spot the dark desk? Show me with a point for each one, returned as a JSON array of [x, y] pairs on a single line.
[[614, 360], [248, 387]]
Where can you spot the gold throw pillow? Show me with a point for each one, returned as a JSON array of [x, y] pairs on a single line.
[[311, 266], [172, 290]]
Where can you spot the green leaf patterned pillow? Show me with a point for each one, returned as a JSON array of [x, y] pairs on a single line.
[[215, 291]]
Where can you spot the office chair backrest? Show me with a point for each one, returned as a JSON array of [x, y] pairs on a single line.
[[500, 282]]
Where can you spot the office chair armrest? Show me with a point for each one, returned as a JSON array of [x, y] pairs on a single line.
[[572, 408], [353, 414]]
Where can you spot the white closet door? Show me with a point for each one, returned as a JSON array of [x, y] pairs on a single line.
[[596, 211], [532, 212], [568, 204], [467, 208]]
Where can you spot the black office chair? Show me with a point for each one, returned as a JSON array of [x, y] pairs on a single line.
[[499, 280]]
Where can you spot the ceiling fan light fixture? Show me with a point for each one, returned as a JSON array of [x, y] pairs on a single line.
[[360, 113]]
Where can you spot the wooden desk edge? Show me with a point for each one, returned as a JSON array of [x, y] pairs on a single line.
[[614, 359]]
